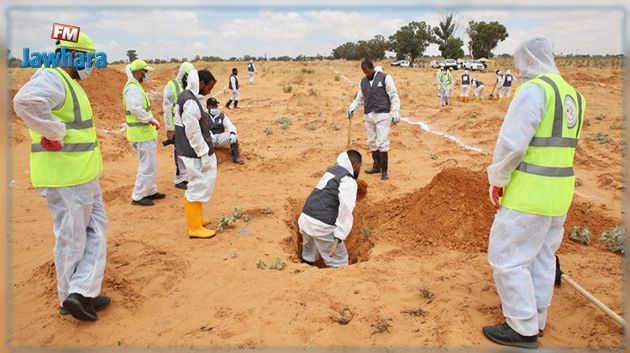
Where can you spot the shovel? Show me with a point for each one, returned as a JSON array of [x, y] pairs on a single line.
[[561, 276], [492, 93], [349, 133]]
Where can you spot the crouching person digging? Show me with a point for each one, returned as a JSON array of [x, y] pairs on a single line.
[[326, 218]]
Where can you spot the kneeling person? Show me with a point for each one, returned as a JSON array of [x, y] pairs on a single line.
[[223, 130], [326, 219]]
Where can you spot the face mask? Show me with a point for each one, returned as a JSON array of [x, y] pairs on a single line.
[[214, 111], [146, 78], [85, 72]]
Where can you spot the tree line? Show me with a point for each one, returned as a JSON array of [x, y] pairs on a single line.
[[413, 39]]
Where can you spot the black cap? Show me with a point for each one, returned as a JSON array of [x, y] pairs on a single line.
[[212, 101]]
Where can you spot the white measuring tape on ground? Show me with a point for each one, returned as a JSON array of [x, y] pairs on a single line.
[[426, 127]]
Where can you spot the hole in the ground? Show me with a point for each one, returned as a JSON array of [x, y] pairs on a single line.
[[452, 212], [359, 242]]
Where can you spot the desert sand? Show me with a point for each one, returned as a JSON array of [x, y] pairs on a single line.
[[419, 274]]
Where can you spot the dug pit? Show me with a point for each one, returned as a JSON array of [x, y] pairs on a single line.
[[452, 212]]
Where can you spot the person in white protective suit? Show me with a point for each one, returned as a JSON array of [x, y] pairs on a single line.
[[381, 107], [506, 87], [223, 130], [141, 133], [499, 82], [531, 183], [326, 219], [234, 86], [478, 89], [65, 166], [193, 141], [464, 91], [251, 72], [171, 91], [445, 82]]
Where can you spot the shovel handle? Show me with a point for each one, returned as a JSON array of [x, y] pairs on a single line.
[[349, 133], [595, 301]]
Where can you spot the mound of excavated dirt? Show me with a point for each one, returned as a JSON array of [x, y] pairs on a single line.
[[104, 88], [454, 211]]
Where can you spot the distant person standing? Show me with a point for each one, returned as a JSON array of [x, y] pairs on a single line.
[[499, 83], [445, 81], [465, 87], [506, 88], [381, 107], [251, 72], [233, 86]]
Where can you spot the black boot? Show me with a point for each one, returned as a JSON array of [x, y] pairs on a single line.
[[235, 104], [80, 307], [384, 161], [375, 167], [227, 105], [236, 158], [505, 335]]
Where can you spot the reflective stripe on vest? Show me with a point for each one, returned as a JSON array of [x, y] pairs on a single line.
[[544, 181], [79, 160], [137, 131], [177, 90]]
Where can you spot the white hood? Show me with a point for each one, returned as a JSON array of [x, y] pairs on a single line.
[[184, 68], [129, 74], [193, 82], [344, 161], [534, 57]]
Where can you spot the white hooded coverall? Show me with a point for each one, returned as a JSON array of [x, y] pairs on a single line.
[[251, 74], [78, 212], [236, 94], [522, 246], [170, 99], [202, 172], [506, 91], [377, 124], [317, 236], [147, 150], [465, 88]]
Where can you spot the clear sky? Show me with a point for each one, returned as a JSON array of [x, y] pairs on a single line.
[[275, 31]]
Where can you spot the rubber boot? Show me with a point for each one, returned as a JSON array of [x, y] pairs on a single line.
[[235, 104], [236, 158], [193, 212], [227, 105], [375, 167], [384, 162]]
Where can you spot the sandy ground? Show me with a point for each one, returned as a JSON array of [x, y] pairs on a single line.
[[419, 275]]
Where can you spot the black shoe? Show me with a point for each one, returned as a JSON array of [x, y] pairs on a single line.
[[308, 262], [375, 166], [143, 202], [156, 196], [541, 333], [227, 104], [505, 335], [383, 162], [236, 158], [80, 307], [183, 185], [100, 303]]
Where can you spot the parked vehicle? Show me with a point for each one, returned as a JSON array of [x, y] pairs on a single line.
[[448, 63], [401, 63], [474, 65]]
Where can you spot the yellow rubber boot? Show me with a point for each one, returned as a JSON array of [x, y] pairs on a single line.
[[194, 221]]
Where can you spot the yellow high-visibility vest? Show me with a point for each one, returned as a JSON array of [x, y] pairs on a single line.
[[543, 183]]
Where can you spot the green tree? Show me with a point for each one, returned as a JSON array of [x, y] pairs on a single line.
[[450, 46], [131, 54], [484, 37], [376, 48], [411, 40]]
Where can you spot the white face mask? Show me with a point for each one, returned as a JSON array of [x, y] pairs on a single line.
[[85, 72], [146, 78], [214, 111]]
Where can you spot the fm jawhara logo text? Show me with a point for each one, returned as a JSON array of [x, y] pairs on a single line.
[[62, 57]]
